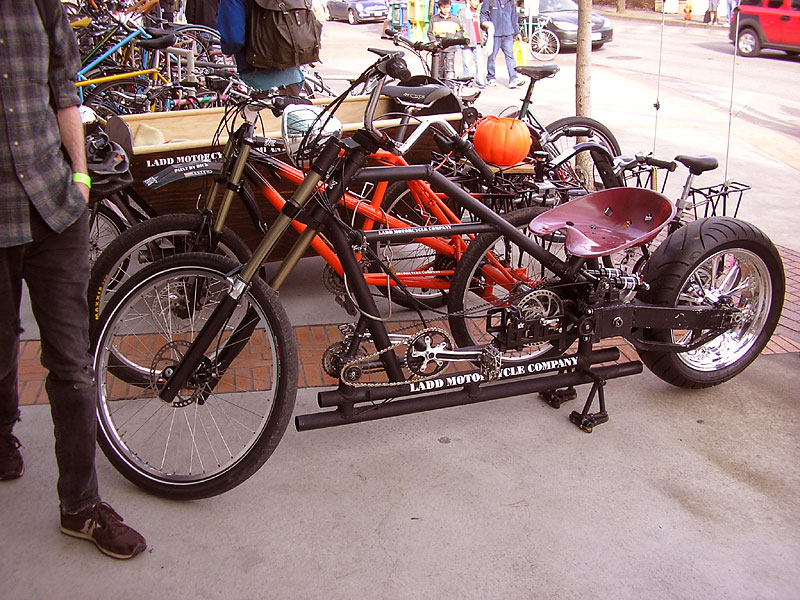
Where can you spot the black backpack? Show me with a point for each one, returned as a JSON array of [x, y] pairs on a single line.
[[282, 34]]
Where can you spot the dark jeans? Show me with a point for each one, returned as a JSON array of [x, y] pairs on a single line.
[[56, 269], [504, 43]]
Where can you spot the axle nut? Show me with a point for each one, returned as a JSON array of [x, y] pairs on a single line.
[[617, 322]]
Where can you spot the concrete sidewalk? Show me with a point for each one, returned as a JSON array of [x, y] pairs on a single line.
[[680, 495], [683, 494]]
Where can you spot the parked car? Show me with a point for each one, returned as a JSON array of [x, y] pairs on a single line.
[[564, 23], [357, 11], [763, 24]]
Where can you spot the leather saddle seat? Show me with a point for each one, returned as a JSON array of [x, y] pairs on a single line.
[[607, 221]]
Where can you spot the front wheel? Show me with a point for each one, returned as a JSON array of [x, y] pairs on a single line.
[[230, 414], [544, 45], [707, 262], [149, 241], [352, 17]]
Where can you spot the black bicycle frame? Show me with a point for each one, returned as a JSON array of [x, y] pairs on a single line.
[[614, 319]]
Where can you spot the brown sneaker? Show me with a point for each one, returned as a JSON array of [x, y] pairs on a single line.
[[11, 466], [103, 526]]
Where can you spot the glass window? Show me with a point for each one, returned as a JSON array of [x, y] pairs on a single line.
[[774, 3]]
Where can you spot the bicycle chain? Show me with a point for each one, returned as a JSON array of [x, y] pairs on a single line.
[[427, 330], [489, 362]]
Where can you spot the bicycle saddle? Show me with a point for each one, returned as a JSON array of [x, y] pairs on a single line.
[[537, 72], [698, 164], [409, 94], [605, 222], [158, 43]]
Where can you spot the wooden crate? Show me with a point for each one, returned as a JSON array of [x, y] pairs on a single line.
[[155, 141]]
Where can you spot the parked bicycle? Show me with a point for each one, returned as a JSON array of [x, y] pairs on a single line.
[[220, 356], [543, 42]]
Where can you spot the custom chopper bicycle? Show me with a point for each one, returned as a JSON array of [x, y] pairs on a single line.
[[218, 360]]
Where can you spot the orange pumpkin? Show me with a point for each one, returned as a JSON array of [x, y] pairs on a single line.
[[502, 141]]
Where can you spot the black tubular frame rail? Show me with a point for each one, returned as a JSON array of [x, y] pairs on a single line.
[[342, 162]]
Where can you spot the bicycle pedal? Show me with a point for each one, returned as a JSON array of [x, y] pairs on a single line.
[[347, 305]]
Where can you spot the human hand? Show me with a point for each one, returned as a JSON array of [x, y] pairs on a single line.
[[84, 190]]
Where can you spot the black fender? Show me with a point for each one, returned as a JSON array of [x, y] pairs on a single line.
[[602, 160], [205, 168]]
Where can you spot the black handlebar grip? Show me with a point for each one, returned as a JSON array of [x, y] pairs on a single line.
[[467, 150], [448, 42], [485, 170], [669, 165]]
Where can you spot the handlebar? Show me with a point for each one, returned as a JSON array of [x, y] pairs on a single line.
[[624, 163], [430, 46], [389, 66]]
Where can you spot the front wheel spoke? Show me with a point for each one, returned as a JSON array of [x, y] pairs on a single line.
[[169, 439], [193, 433]]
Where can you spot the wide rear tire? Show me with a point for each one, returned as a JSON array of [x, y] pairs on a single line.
[[695, 266]]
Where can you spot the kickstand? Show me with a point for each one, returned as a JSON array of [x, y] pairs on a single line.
[[586, 420]]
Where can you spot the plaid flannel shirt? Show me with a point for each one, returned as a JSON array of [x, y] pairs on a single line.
[[33, 168]]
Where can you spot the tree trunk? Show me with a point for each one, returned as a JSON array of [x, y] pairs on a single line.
[[621, 6], [583, 73]]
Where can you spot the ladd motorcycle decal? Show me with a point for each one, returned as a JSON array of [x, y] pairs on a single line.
[[564, 362]]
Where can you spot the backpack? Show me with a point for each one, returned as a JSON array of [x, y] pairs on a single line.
[[282, 34]]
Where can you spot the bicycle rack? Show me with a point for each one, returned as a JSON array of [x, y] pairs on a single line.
[[722, 200]]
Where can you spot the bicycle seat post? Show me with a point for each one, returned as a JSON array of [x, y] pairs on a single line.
[[683, 201], [526, 101]]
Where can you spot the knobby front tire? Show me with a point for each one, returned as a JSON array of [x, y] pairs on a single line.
[[695, 266], [147, 242], [215, 434]]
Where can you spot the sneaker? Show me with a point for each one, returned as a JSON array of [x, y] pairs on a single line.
[[491, 83], [11, 466], [103, 526], [517, 82]]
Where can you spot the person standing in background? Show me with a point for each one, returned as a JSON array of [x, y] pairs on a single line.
[[713, 5], [731, 5], [503, 16], [233, 22], [472, 56], [444, 24], [44, 240], [202, 12]]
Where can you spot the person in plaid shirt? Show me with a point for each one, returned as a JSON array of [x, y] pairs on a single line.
[[44, 240]]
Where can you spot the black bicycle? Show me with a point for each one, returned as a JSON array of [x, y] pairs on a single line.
[[219, 357]]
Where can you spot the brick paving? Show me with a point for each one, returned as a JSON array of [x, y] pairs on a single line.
[[314, 339]]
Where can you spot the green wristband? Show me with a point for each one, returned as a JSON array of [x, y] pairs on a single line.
[[82, 178]]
